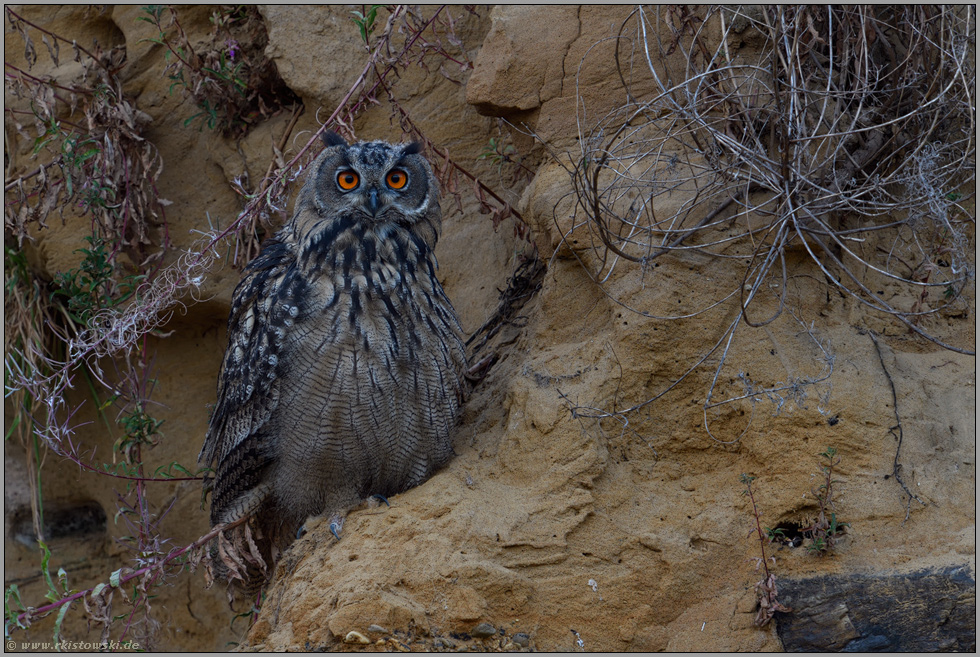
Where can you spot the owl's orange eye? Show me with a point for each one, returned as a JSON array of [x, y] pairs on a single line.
[[347, 180], [396, 179]]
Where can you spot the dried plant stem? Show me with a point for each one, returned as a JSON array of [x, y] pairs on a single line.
[[74, 44], [31, 615], [758, 524], [896, 431], [766, 591]]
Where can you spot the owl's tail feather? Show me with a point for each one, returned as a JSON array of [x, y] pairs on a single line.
[[245, 504]]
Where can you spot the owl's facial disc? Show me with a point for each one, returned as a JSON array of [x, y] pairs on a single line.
[[374, 182]]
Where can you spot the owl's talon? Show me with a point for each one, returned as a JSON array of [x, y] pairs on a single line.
[[381, 498], [335, 529], [301, 532]]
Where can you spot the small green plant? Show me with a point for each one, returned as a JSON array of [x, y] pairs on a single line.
[[94, 158], [54, 593], [76, 150], [13, 606], [825, 531], [232, 81], [140, 428], [366, 21], [52, 130], [775, 535], [92, 286], [500, 154], [497, 153]]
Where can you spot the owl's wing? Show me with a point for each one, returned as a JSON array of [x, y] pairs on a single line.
[[262, 312]]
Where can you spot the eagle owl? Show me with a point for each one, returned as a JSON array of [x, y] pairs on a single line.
[[343, 376]]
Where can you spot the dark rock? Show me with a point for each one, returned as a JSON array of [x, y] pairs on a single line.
[[483, 630], [443, 642], [521, 639], [923, 611]]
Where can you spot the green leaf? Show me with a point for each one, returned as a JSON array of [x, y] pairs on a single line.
[[179, 468], [58, 621], [11, 597], [52, 593], [13, 426]]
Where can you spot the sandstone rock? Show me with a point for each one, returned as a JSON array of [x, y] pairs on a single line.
[[521, 63], [318, 53]]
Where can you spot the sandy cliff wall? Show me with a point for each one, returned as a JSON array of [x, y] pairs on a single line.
[[559, 529]]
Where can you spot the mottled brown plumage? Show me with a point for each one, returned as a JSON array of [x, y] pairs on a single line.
[[344, 370]]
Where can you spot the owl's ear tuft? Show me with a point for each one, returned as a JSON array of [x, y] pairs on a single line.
[[331, 138], [413, 149]]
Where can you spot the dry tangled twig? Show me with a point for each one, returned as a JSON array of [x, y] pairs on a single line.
[[776, 136], [851, 136]]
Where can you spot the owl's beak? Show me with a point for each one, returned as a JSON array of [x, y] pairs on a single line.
[[374, 203]]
